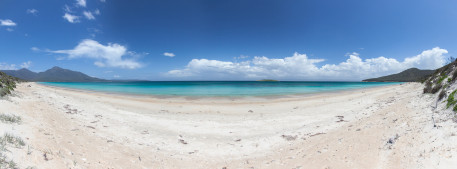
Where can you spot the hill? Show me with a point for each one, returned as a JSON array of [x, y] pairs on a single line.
[[409, 75], [55, 74], [21, 73]]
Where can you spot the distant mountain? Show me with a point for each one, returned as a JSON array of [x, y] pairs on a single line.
[[409, 75], [55, 74], [21, 73]]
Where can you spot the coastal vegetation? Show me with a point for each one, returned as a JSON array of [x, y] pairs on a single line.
[[7, 84], [5, 141], [6, 118], [451, 101], [8, 141], [443, 81]]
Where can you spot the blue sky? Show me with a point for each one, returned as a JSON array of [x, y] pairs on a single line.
[[227, 40]]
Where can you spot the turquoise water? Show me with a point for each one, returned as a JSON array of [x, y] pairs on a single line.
[[217, 88]]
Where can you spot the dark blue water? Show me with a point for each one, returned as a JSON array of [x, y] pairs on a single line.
[[217, 88]]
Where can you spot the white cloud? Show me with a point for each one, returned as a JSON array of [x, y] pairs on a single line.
[[169, 54], [26, 64], [300, 67], [89, 15], [35, 49], [32, 11], [67, 9], [241, 57], [5, 66], [102, 0], [97, 12], [71, 18], [60, 58], [93, 31], [9, 29], [111, 55], [81, 3], [7, 22], [136, 55]]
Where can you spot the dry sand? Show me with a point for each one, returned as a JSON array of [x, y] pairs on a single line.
[[382, 127]]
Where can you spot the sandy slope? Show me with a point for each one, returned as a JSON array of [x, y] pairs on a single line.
[[348, 129]]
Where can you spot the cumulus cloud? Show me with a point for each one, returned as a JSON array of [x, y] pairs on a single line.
[[6, 66], [32, 11], [111, 55], [81, 3], [26, 64], [169, 54], [301, 67], [7, 22], [35, 49], [71, 18], [89, 15]]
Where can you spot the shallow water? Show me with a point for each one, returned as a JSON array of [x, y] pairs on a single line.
[[217, 88]]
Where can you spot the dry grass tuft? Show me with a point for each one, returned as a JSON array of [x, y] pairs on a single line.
[[11, 140], [6, 118]]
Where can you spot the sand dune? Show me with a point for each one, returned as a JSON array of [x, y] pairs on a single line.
[[382, 127]]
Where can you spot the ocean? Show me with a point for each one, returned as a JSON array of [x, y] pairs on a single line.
[[217, 88]]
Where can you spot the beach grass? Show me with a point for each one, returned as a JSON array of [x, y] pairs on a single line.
[[5, 140], [4, 163], [7, 118], [9, 139]]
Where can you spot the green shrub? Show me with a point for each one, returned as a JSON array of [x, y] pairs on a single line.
[[7, 84], [441, 79], [450, 100]]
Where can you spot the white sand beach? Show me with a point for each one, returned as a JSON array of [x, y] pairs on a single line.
[[381, 127]]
